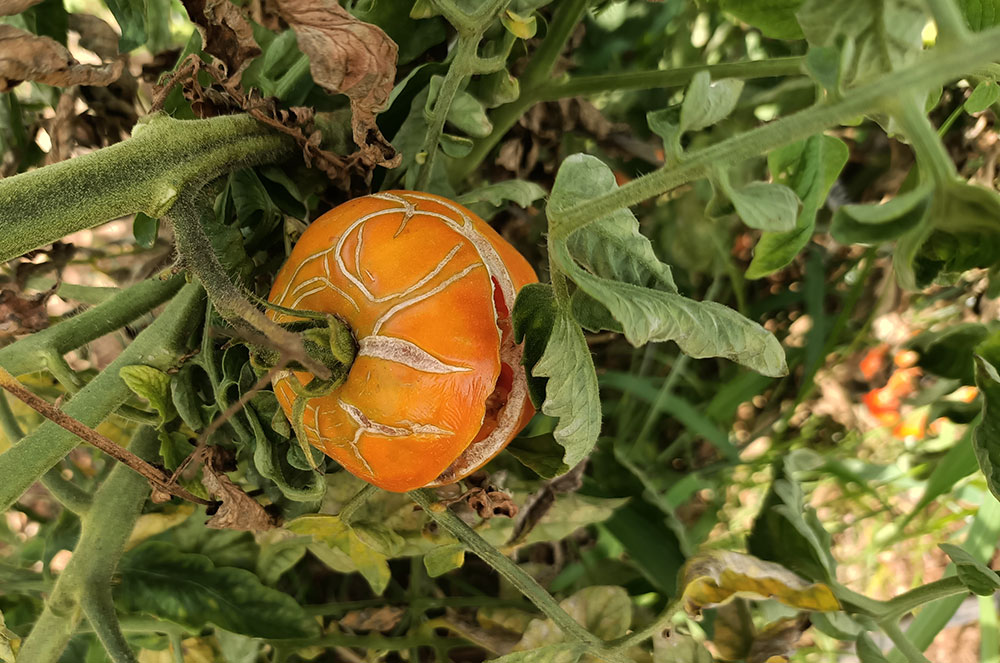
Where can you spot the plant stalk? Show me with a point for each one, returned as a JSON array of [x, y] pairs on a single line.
[[142, 174]]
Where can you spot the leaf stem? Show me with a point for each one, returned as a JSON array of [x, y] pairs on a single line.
[[951, 26], [503, 565], [930, 151], [908, 601], [932, 68], [903, 644], [352, 505]]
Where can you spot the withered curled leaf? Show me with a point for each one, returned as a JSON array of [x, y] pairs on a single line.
[[28, 57], [349, 57], [225, 33], [718, 576], [238, 510]]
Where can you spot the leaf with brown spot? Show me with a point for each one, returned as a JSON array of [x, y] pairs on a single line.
[[27, 57], [382, 619], [349, 57], [716, 577], [225, 33], [238, 510]]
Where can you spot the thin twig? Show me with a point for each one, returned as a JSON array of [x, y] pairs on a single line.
[[155, 476]]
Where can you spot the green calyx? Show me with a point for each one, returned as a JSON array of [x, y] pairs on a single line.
[[327, 339]]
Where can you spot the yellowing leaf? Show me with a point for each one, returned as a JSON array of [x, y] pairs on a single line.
[[716, 577], [10, 643], [151, 524], [332, 533]]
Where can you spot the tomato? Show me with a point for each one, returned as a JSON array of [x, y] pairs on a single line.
[[437, 387]]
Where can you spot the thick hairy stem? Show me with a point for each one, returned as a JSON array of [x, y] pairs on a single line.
[[506, 116], [503, 565], [913, 599], [934, 67], [27, 354], [198, 255], [159, 345], [104, 532], [927, 145], [142, 174]]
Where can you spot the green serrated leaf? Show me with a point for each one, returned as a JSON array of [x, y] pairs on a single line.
[[571, 393], [810, 168], [979, 578], [986, 438], [153, 385], [540, 453], [532, 320], [188, 589], [985, 95], [521, 192], [708, 102], [131, 17], [444, 558], [871, 224], [174, 448], [774, 18], [980, 14]]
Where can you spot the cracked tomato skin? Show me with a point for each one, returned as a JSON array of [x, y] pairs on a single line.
[[437, 387]]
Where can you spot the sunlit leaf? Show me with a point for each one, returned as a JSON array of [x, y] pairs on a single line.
[[715, 577], [603, 610], [521, 192], [359, 546], [153, 385], [444, 558], [708, 102]]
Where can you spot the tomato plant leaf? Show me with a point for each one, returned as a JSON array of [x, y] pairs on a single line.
[[983, 96], [676, 647], [986, 438], [364, 545], [603, 610], [413, 38], [810, 168], [884, 35], [131, 17], [571, 394], [708, 102], [979, 578], [540, 453], [980, 14], [443, 559], [190, 590], [153, 385], [521, 192], [788, 532], [774, 18], [868, 651], [764, 205], [466, 114], [174, 448], [145, 228], [611, 247], [561, 653], [948, 353], [871, 224], [10, 643], [715, 577], [532, 320]]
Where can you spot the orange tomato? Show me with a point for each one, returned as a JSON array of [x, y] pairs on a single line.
[[437, 387]]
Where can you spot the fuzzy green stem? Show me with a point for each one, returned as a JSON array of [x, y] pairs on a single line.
[[198, 255], [927, 145], [159, 346], [458, 73], [506, 116], [104, 532], [142, 174], [26, 355], [903, 643], [918, 596], [514, 574], [932, 68], [352, 505]]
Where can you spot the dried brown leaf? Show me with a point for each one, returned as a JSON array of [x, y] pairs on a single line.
[[95, 35], [27, 57], [225, 33], [22, 315], [238, 510], [382, 619], [11, 7], [349, 57]]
